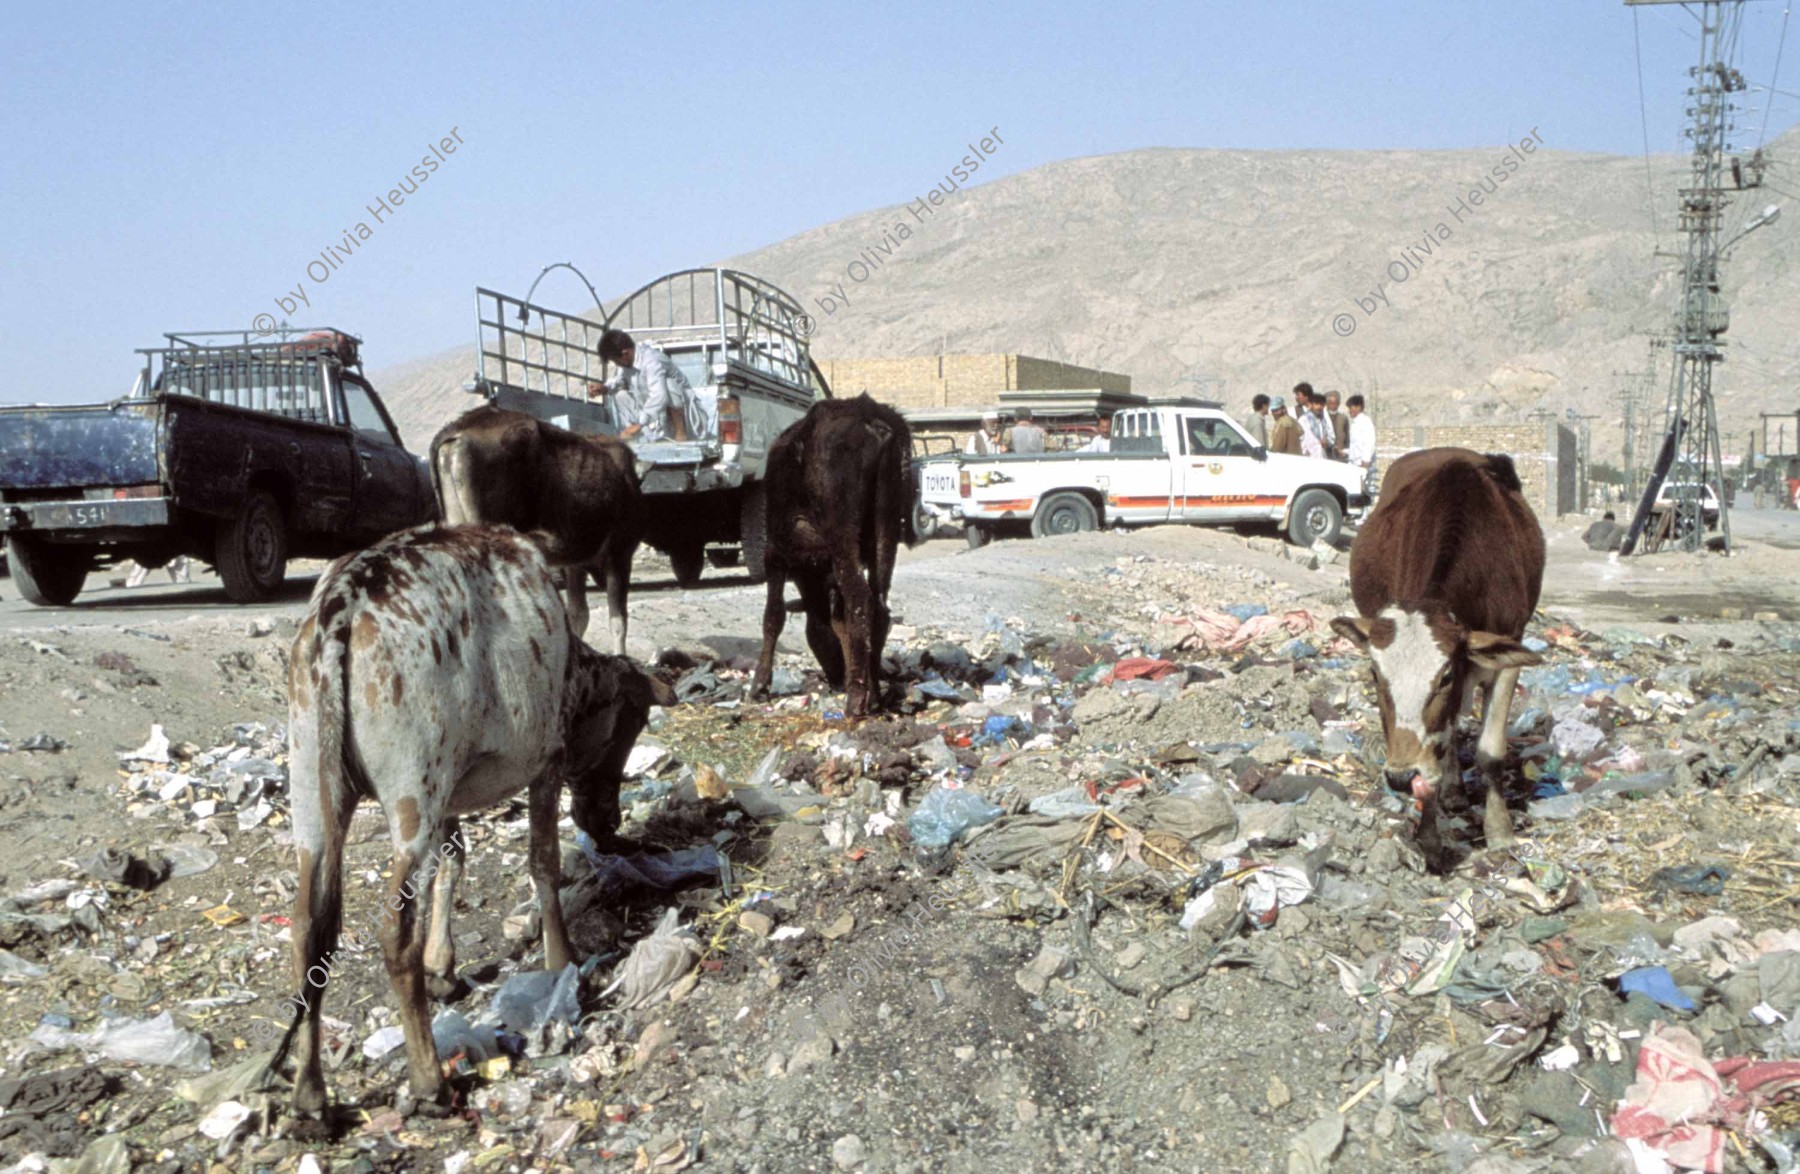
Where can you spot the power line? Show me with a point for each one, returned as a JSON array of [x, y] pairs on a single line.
[[1644, 120], [1779, 46]]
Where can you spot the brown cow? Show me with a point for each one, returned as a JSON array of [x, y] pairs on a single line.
[[436, 673], [577, 496], [1446, 573], [840, 503]]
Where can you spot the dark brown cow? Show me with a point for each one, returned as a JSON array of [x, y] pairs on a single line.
[[577, 496], [840, 503], [1446, 573]]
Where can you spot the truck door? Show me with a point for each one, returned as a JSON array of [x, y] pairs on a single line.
[[386, 483], [1140, 482], [1217, 473]]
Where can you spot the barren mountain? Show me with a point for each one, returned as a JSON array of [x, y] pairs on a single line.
[[1226, 273]]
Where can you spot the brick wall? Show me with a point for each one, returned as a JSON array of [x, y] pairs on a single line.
[[942, 381], [1545, 453]]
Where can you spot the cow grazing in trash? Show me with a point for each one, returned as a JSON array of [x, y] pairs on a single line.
[[578, 496], [436, 673], [1446, 573], [840, 498]]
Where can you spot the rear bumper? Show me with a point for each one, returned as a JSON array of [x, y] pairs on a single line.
[[36, 517], [702, 479]]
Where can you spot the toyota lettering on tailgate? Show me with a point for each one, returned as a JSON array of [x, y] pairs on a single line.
[[940, 482]]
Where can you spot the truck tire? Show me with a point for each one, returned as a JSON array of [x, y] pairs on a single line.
[[46, 575], [687, 562], [977, 535], [250, 550], [753, 531], [1315, 517], [1064, 513], [925, 522]]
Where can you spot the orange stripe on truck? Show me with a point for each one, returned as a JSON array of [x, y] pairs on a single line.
[[1023, 503]]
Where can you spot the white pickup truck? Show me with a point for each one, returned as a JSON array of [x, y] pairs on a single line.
[[1174, 461]]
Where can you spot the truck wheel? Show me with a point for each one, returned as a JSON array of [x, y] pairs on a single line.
[[47, 576], [1315, 517], [687, 562], [977, 535], [1064, 513], [753, 531], [250, 550], [925, 522]]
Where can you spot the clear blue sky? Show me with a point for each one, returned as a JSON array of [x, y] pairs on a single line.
[[176, 166]]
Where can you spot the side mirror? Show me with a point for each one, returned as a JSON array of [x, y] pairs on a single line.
[[1259, 452]]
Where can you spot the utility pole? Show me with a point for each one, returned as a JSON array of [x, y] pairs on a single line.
[[1691, 446], [1636, 385]]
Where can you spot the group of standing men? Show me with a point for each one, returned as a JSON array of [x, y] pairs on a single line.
[[1318, 427]]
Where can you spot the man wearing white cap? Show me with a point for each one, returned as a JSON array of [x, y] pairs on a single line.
[[986, 441]]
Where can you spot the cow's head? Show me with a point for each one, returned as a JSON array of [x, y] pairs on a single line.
[[1423, 660], [605, 708]]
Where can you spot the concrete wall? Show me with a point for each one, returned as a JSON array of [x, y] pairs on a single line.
[[941, 381], [1546, 454]]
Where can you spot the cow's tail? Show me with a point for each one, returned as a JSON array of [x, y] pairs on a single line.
[[453, 477], [902, 442], [321, 795]]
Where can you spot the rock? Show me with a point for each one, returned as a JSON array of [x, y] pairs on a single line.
[[1131, 955], [840, 926], [760, 924], [812, 1052], [847, 1152], [1101, 706], [964, 1053], [1051, 962], [1278, 1094], [259, 627], [656, 1039], [1027, 1109]]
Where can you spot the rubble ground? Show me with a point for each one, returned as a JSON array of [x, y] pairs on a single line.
[[1113, 887]]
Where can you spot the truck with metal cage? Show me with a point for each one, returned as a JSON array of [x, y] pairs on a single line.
[[740, 341], [235, 449]]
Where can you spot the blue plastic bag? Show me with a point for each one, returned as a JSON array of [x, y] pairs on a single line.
[[946, 814]]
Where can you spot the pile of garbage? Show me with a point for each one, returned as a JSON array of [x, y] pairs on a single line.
[[243, 778]]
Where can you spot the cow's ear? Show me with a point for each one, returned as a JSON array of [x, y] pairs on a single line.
[[1354, 629], [1492, 652]]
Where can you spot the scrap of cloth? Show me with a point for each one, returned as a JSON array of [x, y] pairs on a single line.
[[1681, 1104], [1221, 632]]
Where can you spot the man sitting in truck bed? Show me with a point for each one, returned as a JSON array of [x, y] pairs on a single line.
[[665, 407]]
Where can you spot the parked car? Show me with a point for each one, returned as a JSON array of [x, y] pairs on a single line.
[[1674, 491], [236, 452], [1174, 461]]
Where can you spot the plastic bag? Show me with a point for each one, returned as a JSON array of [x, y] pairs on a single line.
[[452, 1033], [147, 1041], [656, 964], [528, 1000], [946, 814]]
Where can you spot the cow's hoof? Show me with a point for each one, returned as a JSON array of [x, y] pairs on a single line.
[[434, 1106], [306, 1128], [442, 987]]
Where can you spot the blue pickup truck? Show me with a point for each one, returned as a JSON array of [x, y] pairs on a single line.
[[236, 451]]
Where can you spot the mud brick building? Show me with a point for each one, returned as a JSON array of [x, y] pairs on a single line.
[[1546, 453], [950, 381]]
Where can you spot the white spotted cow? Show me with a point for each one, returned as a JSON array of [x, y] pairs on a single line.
[[436, 672], [1446, 573]]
